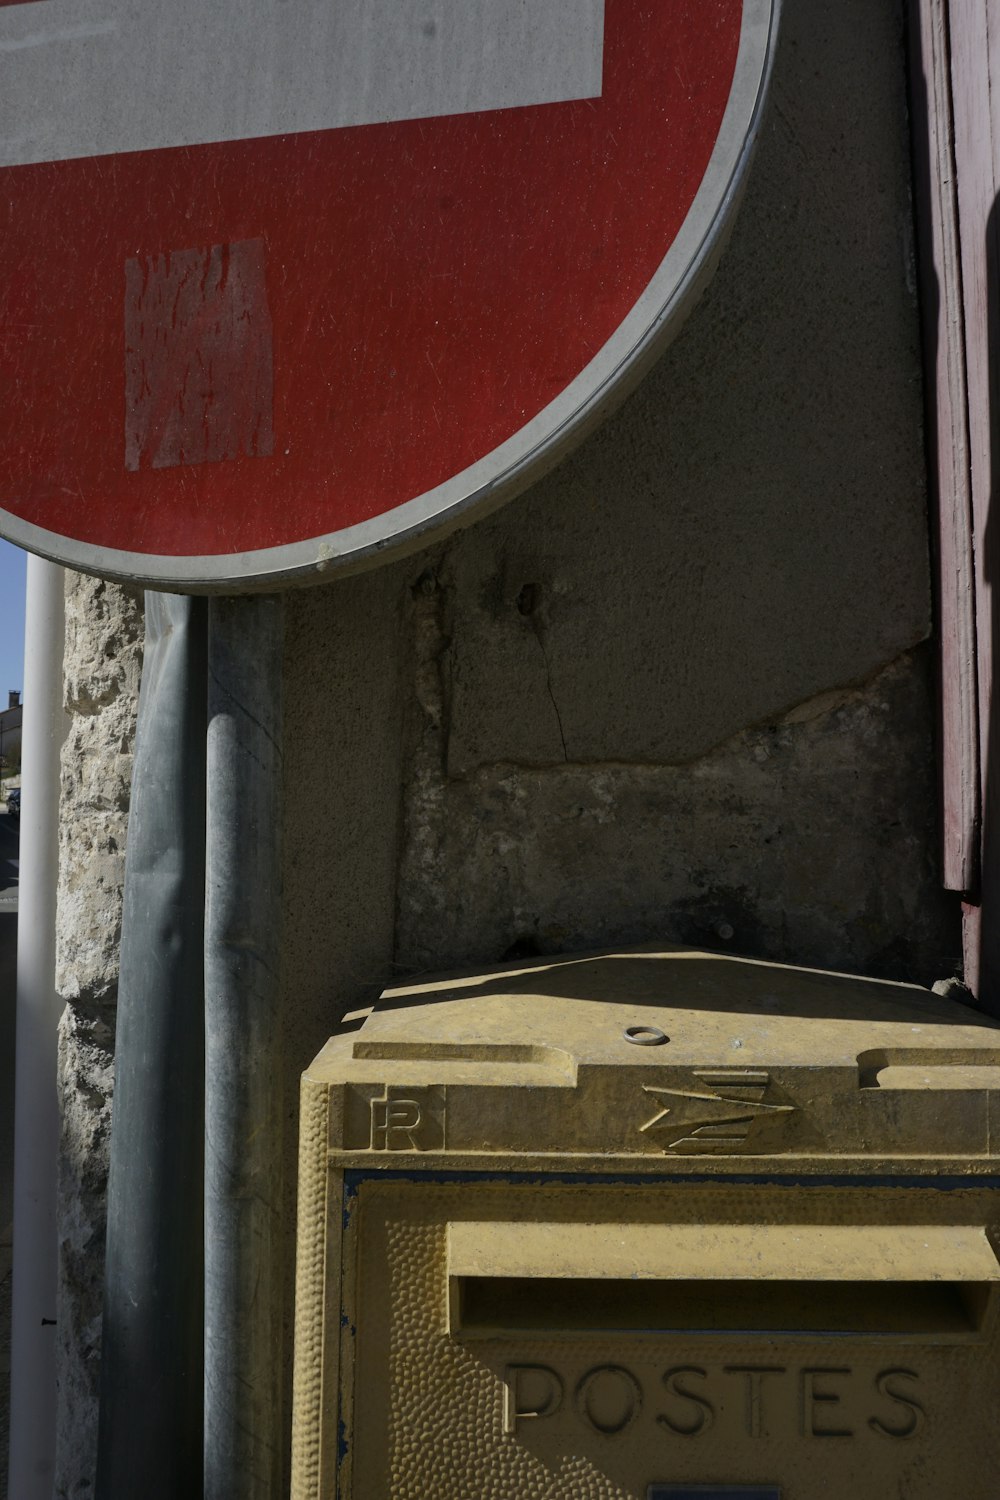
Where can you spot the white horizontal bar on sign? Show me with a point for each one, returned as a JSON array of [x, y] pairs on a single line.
[[724, 1252], [85, 78]]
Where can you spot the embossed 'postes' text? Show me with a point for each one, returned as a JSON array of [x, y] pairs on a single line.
[[816, 1402]]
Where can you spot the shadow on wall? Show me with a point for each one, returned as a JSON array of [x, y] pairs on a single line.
[[700, 982]]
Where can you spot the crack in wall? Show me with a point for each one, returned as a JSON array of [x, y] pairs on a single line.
[[539, 633]]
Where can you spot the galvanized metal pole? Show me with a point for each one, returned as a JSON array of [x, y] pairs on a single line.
[[149, 1438], [36, 1103], [243, 1113]]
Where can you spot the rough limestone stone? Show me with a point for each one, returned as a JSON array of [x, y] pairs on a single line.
[[104, 636]]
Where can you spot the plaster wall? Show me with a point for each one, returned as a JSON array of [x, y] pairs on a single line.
[[679, 690], [627, 730]]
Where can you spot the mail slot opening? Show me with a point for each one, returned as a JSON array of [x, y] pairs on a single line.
[[497, 1305], [925, 1282]]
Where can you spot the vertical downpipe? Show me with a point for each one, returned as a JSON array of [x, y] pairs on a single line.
[[36, 1102], [149, 1436], [243, 1113]]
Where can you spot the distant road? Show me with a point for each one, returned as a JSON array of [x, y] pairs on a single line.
[[9, 850]]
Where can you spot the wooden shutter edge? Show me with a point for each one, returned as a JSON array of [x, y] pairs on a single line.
[[947, 404]]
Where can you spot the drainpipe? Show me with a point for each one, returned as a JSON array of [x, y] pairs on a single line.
[[149, 1433], [36, 1103]]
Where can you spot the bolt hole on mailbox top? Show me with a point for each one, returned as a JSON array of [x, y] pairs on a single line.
[[760, 1261], [288, 287]]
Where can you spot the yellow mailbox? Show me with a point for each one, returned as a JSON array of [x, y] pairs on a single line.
[[650, 1225]]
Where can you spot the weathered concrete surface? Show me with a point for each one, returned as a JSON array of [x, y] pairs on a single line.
[[104, 635], [345, 660], [750, 529], [810, 840]]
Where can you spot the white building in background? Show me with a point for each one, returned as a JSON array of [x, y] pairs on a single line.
[[10, 731]]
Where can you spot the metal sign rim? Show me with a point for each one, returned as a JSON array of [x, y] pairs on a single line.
[[524, 457]]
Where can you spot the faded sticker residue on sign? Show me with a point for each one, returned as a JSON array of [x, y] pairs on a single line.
[[198, 357]]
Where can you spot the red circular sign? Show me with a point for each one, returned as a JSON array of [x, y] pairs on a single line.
[[247, 359]]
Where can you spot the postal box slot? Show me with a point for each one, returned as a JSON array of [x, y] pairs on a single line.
[[927, 1310], [926, 1283]]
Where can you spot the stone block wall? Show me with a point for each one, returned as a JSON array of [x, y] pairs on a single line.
[[104, 637]]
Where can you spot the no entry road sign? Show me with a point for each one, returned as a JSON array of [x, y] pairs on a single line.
[[285, 286]]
